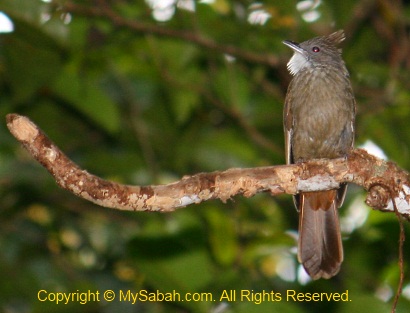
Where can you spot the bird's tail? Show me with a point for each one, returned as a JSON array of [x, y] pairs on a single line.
[[320, 244]]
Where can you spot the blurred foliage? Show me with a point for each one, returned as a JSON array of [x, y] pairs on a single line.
[[142, 95]]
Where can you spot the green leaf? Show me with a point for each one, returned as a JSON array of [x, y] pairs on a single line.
[[89, 97], [174, 262], [32, 60], [363, 303], [222, 236], [184, 102]]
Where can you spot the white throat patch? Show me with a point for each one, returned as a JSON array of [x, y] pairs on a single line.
[[297, 63]]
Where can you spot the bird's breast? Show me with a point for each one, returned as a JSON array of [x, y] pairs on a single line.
[[322, 106]]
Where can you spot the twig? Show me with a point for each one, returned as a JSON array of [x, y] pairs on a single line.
[[249, 129], [402, 238]]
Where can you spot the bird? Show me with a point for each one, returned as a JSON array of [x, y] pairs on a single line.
[[319, 122]]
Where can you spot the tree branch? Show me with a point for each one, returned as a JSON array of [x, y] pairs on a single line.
[[379, 177], [108, 13]]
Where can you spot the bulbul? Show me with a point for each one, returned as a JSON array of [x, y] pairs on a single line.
[[319, 116]]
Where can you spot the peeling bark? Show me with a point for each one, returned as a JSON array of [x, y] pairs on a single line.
[[382, 179]]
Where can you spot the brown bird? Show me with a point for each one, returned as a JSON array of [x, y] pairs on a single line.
[[319, 116]]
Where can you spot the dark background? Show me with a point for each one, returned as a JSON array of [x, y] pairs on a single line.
[[139, 97]]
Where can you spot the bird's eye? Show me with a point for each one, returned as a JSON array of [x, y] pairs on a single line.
[[315, 49]]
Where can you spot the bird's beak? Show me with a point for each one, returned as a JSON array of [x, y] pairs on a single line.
[[294, 46]]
